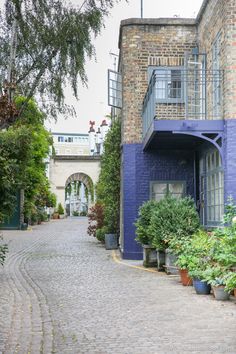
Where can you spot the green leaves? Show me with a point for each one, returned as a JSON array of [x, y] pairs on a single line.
[[3, 251], [173, 219], [54, 40], [108, 186], [142, 224], [23, 148]]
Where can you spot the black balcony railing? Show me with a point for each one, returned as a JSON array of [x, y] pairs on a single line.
[[175, 93]]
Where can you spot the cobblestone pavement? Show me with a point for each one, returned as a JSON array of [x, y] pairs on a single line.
[[61, 292]]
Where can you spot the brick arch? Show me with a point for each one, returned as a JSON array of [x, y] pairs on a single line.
[[85, 179]]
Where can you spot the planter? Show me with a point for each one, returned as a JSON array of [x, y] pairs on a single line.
[[201, 287], [55, 216], [170, 263], [24, 226], [185, 278], [160, 260], [111, 241], [149, 256], [235, 292], [220, 293]]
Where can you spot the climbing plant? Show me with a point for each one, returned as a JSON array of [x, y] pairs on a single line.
[[108, 186]]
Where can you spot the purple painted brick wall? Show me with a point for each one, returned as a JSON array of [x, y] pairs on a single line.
[[230, 158], [139, 169]]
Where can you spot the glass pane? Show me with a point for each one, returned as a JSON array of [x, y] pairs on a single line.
[[159, 188], [160, 84], [158, 197], [176, 188], [208, 162], [212, 161], [217, 197], [177, 195]]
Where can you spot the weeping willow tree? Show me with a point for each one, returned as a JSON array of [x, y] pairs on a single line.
[[44, 45]]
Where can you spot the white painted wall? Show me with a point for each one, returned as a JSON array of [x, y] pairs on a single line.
[[61, 170]]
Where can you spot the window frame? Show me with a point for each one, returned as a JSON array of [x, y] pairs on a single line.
[[152, 71], [212, 190], [167, 182]]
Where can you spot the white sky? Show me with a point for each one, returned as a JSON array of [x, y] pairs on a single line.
[[92, 104]]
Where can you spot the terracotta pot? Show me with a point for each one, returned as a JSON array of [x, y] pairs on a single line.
[[185, 279], [235, 292]]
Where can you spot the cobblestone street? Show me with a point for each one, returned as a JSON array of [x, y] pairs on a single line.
[[62, 292]]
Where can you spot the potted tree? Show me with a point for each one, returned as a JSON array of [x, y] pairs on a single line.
[[60, 211], [173, 219], [144, 236]]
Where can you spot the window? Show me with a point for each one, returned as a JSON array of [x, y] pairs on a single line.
[[216, 84], [160, 189], [61, 139], [214, 188], [169, 84]]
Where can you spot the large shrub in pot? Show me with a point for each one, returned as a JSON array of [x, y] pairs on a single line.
[[174, 218], [143, 222]]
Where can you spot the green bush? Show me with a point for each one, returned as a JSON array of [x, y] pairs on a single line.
[[60, 209], [3, 250], [174, 218], [75, 213], [231, 281], [83, 213], [143, 222], [196, 252], [100, 234]]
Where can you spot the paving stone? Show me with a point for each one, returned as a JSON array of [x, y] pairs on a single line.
[[61, 292]]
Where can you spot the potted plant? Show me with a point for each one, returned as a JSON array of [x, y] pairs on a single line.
[[144, 236], [230, 284], [200, 285], [184, 263], [173, 219], [217, 278], [60, 211], [198, 251]]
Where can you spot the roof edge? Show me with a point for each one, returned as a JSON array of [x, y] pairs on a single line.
[[165, 21], [201, 11]]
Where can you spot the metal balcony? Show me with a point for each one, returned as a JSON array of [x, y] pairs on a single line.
[[183, 94]]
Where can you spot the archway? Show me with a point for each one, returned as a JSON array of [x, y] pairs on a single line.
[[79, 194]]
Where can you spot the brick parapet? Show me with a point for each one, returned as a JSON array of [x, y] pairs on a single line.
[[141, 44]]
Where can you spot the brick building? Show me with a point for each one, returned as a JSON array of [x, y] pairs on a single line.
[[178, 80]]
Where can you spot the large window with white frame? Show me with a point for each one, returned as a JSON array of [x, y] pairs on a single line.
[[214, 188]]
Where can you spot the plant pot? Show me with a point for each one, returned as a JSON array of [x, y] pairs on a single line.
[[185, 278], [24, 226], [170, 263], [111, 241], [160, 260], [201, 287], [55, 216], [220, 293], [149, 256], [235, 292]]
